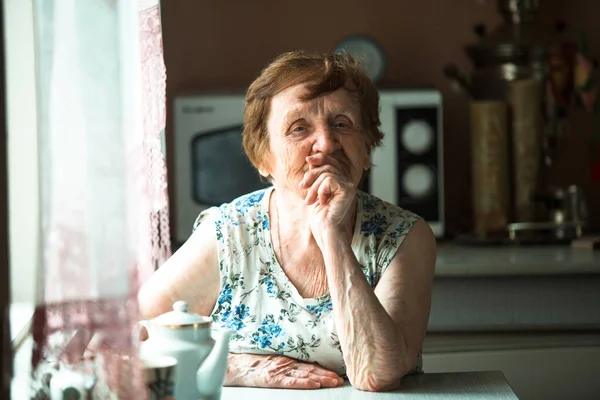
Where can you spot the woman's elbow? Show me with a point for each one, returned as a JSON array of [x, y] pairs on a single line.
[[374, 383], [150, 302], [144, 301], [377, 381], [380, 380]]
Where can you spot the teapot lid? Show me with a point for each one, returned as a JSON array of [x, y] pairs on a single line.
[[181, 318]]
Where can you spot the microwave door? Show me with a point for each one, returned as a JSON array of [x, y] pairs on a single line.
[[408, 168], [221, 170]]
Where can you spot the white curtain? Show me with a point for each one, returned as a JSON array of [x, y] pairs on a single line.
[[104, 207]]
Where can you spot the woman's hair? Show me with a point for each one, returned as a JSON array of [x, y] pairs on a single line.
[[326, 73]]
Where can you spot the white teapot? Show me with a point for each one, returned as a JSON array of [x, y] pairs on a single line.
[[201, 360]]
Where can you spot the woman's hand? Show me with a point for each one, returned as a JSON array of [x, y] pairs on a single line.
[[282, 372], [329, 192]]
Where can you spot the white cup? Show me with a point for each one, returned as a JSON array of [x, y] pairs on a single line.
[[66, 383], [159, 377]]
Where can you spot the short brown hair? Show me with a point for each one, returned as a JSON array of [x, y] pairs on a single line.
[[329, 72]]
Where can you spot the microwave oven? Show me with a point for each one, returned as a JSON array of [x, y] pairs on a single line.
[[211, 168]]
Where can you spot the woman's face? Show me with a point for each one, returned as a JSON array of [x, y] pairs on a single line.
[[329, 124]]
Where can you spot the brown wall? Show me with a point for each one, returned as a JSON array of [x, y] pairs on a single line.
[[224, 44]]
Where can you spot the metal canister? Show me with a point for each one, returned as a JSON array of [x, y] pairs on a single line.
[[524, 97], [489, 167]]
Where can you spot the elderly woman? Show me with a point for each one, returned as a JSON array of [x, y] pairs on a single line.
[[317, 279]]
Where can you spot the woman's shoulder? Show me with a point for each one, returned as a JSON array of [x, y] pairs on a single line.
[[382, 229], [249, 202], [242, 210], [383, 223], [373, 207]]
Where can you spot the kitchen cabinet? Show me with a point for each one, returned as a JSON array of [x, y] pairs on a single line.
[[533, 373], [531, 312], [478, 289]]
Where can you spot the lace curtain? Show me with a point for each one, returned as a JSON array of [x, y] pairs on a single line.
[[104, 207]]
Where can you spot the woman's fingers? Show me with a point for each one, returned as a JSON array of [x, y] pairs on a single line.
[[290, 382], [313, 174], [327, 378], [323, 188], [323, 380], [318, 370], [326, 189], [326, 382], [313, 193], [319, 159]]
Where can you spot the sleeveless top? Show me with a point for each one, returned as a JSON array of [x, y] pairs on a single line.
[[260, 304]]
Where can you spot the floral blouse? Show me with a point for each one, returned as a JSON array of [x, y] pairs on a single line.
[[260, 304]]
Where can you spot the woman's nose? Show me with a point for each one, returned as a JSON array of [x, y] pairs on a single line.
[[326, 140]]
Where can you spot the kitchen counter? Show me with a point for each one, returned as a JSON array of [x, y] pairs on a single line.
[[461, 385], [471, 261], [515, 288]]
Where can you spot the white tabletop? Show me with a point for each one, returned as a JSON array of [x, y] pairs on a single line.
[[462, 385], [470, 261]]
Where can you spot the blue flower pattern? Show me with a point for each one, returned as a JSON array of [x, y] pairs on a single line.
[[247, 202], [261, 305], [320, 308], [225, 296], [271, 289], [238, 318], [268, 331], [376, 225]]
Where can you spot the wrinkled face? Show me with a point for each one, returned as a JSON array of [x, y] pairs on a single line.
[[297, 129]]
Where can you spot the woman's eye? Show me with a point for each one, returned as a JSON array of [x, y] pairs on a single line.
[[341, 125], [299, 129]]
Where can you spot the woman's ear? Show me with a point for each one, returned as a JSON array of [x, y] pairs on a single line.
[[263, 170], [264, 164], [263, 173]]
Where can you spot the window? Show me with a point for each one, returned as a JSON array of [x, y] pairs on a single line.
[[5, 342], [20, 236], [22, 149]]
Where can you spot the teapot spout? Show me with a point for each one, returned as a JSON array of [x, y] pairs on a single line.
[[213, 371]]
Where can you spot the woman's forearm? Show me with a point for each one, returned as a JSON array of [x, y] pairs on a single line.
[[375, 351]]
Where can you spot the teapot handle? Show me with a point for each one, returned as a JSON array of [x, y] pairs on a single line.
[[137, 334]]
